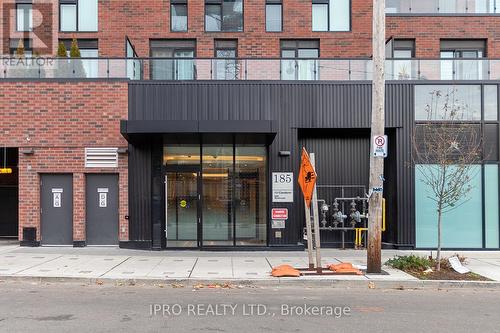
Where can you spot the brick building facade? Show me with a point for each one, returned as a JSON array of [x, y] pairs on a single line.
[[56, 121], [50, 116]]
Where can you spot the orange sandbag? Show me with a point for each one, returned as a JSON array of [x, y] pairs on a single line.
[[349, 271], [344, 265], [285, 271]]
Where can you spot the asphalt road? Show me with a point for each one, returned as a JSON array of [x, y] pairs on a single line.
[[34, 307]]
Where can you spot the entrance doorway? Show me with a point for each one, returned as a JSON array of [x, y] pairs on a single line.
[[9, 193], [215, 195], [182, 208]]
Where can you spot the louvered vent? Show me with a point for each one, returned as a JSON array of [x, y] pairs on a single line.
[[101, 157]]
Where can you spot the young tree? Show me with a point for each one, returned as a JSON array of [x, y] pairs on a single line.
[[20, 49], [61, 51], [449, 146], [75, 50], [75, 54]]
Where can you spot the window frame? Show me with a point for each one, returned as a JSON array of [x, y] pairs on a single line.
[[179, 3], [28, 46], [274, 3], [220, 3], [328, 4], [24, 3], [77, 21]]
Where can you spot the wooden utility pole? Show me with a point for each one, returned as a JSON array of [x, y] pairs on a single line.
[[374, 252]]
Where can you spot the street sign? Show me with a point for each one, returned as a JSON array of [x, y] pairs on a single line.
[[282, 186], [279, 213], [380, 146], [5, 171], [307, 177]]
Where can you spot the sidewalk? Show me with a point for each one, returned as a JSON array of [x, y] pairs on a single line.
[[114, 264]]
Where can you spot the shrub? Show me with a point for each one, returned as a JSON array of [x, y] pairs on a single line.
[[410, 263]]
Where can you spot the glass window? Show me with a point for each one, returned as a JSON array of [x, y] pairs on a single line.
[[250, 204], [461, 227], [213, 18], [331, 15], [224, 15], [444, 102], [299, 69], [87, 15], [173, 69], [24, 14], [78, 15], [179, 17], [232, 15], [340, 15], [68, 17], [217, 175], [491, 102], [90, 66], [226, 69], [273, 17], [320, 17], [491, 205]]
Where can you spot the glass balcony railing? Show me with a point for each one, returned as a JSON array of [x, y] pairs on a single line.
[[442, 7], [187, 69]]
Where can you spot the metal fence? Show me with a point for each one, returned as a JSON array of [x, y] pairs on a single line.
[[442, 7]]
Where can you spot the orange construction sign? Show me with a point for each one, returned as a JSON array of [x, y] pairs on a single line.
[[307, 177]]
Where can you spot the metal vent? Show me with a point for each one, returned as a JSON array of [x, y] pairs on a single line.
[[101, 157]]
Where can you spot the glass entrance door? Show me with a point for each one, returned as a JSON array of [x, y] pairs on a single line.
[[182, 208]]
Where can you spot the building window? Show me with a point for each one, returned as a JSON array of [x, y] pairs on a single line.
[[403, 49], [177, 59], [24, 15], [447, 103], [178, 15], [490, 102], [331, 15], [88, 50], [26, 43], [274, 13], [302, 64], [223, 15], [226, 69], [78, 15], [464, 67]]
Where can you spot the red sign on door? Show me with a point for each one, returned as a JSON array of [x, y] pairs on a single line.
[[280, 214]]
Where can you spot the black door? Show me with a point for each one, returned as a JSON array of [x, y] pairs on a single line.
[[102, 209], [56, 196]]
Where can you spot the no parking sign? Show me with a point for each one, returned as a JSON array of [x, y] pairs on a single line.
[[380, 146]]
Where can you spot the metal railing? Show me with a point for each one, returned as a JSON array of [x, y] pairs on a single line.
[[442, 7], [188, 69]]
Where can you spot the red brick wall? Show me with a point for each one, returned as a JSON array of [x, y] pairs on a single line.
[[145, 19], [58, 120], [429, 30]]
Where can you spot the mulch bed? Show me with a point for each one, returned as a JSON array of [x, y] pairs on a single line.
[[447, 274]]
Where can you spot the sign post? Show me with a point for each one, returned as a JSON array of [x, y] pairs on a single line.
[[307, 181], [317, 239]]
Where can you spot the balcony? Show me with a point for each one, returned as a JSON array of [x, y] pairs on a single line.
[[246, 69], [443, 7]]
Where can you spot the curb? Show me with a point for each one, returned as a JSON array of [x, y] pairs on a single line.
[[279, 282]]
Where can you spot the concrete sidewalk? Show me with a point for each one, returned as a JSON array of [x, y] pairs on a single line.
[[121, 264]]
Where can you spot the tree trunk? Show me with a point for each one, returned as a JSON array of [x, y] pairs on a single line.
[[438, 257]]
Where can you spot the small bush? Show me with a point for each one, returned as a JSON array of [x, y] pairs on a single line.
[[410, 263]]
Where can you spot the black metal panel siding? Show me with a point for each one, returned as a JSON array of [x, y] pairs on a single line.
[[139, 163], [294, 106]]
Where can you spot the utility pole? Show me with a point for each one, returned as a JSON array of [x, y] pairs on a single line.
[[374, 251]]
